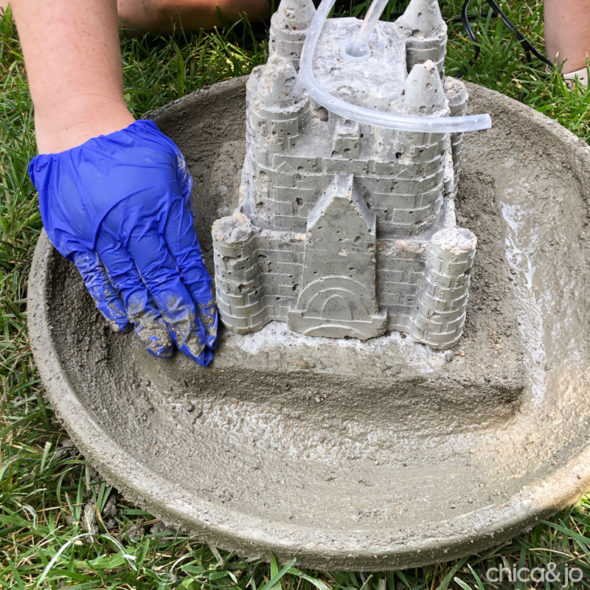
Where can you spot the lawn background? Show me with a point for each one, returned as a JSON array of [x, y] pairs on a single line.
[[61, 526]]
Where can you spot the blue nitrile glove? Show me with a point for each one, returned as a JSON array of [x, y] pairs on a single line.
[[118, 206]]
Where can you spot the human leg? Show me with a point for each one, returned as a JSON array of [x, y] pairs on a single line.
[[567, 33], [163, 15]]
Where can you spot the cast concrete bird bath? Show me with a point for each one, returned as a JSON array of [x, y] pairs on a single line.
[[350, 455], [360, 414]]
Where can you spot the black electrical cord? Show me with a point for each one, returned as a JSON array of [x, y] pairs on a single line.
[[469, 30], [528, 47]]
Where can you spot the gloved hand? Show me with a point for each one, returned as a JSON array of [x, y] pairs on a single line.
[[118, 206]]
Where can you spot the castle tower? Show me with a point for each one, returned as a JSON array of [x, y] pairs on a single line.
[[441, 306], [423, 92], [237, 276], [338, 296], [278, 106], [426, 33], [288, 27], [457, 96], [277, 102]]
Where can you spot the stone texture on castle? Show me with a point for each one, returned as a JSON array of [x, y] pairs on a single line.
[[344, 229]]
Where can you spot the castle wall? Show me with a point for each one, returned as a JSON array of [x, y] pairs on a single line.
[[280, 262], [404, 204], [405, 194], [399, 277]]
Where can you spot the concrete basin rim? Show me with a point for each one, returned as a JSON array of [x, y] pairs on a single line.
[[532, 502]]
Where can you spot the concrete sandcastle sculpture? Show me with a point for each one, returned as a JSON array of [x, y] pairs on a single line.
[[351, 454], [348, 229]]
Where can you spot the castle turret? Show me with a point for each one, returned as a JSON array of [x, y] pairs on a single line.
[[426, 33], [278, 101], [441, 307], [237, 277], [423, 92], [278, 107], [457, 96], [278, 86], [288, 27]]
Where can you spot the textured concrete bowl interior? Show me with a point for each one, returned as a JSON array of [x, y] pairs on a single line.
[[348, 454]]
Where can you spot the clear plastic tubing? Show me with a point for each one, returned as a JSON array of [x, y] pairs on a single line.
[[334, 104], [360, 44]]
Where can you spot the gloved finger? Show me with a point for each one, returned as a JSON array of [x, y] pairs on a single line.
[[209, 320], [100, 288], [160, 275], [185, 180], [183, 244], [141, 309]]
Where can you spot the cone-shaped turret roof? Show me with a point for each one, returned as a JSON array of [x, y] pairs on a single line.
[[279, 84], [423, 92], [422, 18], [294, 14]]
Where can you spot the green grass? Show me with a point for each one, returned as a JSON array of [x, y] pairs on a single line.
[[60, 525]]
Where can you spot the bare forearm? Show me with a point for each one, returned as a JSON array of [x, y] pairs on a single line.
[[72, 55]]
